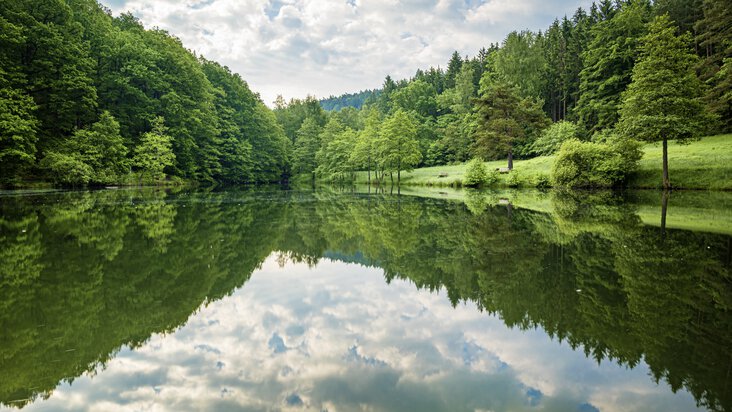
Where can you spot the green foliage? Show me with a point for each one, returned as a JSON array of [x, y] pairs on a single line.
[[94, 155], [102, 147], [515, 179], [64, 64], [704, 164], [458, 99], [307, 144], [417, 97], [291, 115], [353, 100], [52, 64], [18, 128], [364, 154], [553, 136], [335, 162], [589, 164], [508, 123], [542, 181], [521, 62], [714, 39], [154, 153], [664, 100], [397, 144], [454, 139], [235, 106], [454, 66], [67, 169], [475, 173], [608, 63]]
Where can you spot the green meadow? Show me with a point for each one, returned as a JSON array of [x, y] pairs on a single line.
[[705, 164]]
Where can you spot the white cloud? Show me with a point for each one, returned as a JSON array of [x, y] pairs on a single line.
[[324, 47], [345, 340]]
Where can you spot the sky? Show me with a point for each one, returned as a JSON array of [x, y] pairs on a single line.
[[329, 47], [337, 337]]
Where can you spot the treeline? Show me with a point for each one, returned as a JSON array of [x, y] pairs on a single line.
[[355, 100], [87, 98], [537, 91]]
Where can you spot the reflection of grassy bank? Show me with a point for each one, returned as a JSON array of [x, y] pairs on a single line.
[[692, 210], [705, 164], [700, 211]]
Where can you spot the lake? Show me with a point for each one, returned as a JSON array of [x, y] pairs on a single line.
[[365, 300]]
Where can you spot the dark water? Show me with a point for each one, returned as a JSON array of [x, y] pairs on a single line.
[[286, 300]]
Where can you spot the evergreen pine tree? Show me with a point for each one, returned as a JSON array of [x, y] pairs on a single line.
[[663, 101]]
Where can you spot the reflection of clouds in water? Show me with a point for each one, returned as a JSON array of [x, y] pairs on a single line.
[[338, 338]]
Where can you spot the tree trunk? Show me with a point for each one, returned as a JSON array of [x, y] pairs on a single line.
[[510, 158], [664, 208], [666, 181]]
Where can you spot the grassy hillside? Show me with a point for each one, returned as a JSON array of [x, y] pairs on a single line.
[[704, 164]]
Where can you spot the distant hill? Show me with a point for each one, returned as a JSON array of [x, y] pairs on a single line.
[[357, 100]]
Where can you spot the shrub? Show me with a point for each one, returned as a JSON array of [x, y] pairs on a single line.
[[552, 137], [513, 179], [491, 177], [475, 174], [591, 164], [66, 169], [542, 181]]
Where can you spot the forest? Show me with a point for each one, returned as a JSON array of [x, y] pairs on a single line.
[[336, 103], [91, 99], [87, 98], [590, 80]]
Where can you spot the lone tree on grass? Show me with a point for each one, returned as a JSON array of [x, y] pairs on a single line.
[[663, 101], [506, 119]]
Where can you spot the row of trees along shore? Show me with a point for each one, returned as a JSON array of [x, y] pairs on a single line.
[[88, 98], [589, 88]]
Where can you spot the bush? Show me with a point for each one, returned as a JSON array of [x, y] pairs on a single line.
[[513, 179], [491, 177], [475, 174], [590, 164], [551, 138], [66, 169], [542, 181]]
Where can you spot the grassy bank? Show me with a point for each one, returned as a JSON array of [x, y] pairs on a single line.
[[704, 164]]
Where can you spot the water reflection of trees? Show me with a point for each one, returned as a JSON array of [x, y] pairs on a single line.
[[94, 271], [85, 273]]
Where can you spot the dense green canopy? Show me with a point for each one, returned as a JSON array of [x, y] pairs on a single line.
[[81, 90]]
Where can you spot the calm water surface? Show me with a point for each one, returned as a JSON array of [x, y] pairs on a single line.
[[289, 300]]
